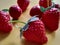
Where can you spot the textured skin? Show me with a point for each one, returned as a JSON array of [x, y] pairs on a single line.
[[44, 3], [51, 19], [35, 10], [36, 32], [5, 25], [23, 4], [15, 12]]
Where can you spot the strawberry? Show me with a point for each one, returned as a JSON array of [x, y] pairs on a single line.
[[35, 10], [51, 19], [45, 3], [5, 25], [23, 4], [15, 12], [35, 31]]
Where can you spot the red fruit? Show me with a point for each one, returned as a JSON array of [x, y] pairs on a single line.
[[57, 6], [51, 19], [45, 3], [35, 10], [23, 4], [15, 12], [35, 32], [5, 25]]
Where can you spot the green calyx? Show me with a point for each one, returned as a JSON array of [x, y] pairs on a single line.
[[5, 10], [42, 9], [49, 7]]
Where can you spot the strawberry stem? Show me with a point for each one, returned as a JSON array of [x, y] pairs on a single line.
[[17, 21], [48, 3], [20, 30]]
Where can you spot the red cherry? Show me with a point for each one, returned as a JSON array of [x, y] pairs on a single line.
[[35, 10], [45, 3], [57, 6], [23, 4], [15, 11]]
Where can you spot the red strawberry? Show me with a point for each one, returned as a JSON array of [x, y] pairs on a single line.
[[35, 32], [15, 12], [23, 4], [35, 10], [51, 19], [45, 3], [5, 25]]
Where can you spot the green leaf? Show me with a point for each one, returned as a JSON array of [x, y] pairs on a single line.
[[6, 10], [42, 9]]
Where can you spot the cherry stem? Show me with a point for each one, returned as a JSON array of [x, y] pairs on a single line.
[[17, 21], [48, 3]]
